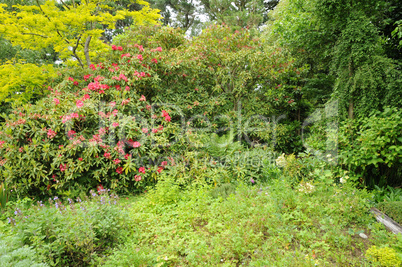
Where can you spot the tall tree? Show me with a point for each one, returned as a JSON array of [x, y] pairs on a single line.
[[72, 28]]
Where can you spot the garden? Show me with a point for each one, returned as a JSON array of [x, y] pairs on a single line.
[[268, 135]]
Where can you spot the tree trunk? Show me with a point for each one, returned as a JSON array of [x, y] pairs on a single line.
[[86, 50], [350, 111]]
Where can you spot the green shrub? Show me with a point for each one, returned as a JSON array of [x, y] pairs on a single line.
[[371, 148], [14, 253], [392, 209], [385, 256], [91, 129], [74, 234]]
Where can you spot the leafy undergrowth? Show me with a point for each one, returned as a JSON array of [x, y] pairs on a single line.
[[270, 225], [245, 225]]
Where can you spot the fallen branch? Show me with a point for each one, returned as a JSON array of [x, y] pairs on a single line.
[[390, 224]]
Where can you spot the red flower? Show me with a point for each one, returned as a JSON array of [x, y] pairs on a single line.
[[100, 188], [63, 167], [167, 118], [70, 79], [116, 161], [160, 169], [164, 163], [137, 178], [290, 101], [80, 159], [141, 169], [120, 48], [144, 130], [75, 83], [142, 98], [114, 47], [119, 170], [154, 60], [56, 101], [164, 113], [107, 155]]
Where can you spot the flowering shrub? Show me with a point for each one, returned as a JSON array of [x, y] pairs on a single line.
[[91, 129]]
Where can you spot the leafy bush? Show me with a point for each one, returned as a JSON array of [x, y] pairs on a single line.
[[14, 253], [75, 234], [371, 147], [92, 129], [392, 209], [385, 256]]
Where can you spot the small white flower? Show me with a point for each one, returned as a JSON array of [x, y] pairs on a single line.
[[342, 180], [281, 161]]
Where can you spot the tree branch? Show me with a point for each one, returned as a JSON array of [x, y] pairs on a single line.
[[65, 4], [75, 49], [37, 2], [30, 33]]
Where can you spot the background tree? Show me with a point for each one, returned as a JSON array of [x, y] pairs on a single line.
[[72, 29]]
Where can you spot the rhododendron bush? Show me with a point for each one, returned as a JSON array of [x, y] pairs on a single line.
[[91, 129]]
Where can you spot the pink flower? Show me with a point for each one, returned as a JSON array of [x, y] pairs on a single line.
[[125, 101], [115, 124], [160, 169], [142, 98], [70, 79], [154, 60], [92, 67], [164, 163], [51, 133], [21, 149], [79, 104], [114, 112], [107, 155], [56, 101], [63, 167], [140, 57], [135, 144], [71, 133], [127, 88], [127, 156], [112, 104], [60, 146], [75, 83], [86, 96], [114, 47], [167, 118], [148, 107], [119, 170], [116, 161], [137, 178], [144, 130], [80, 159], [120, 48], [154, 130], [159, 49], [141, 169]]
